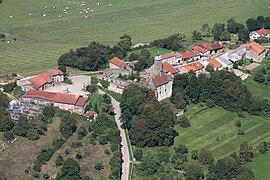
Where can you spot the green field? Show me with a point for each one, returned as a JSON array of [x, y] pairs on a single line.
[[261, 166], [210, 124], [40, 40], [258, 89]]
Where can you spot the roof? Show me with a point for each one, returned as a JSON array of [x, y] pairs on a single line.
[[44, 78], [215, 63], [166, 67], [57, 97], [262, 32], [193, 66], [90, 113], [199, 49], [203, 48], [118, 62], [257, 48], [159, 80], [189, 54], [166, 56]]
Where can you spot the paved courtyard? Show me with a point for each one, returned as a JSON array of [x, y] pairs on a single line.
[[79, 83], [239, 73]]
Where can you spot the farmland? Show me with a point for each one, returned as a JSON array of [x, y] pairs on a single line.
[[41, 39], [261, 166]]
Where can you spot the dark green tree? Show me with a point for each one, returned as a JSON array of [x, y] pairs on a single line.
[[125, 42], [68, 126], [243, 35], [196, 36], [70, 170], [217, 30], [194, 171]]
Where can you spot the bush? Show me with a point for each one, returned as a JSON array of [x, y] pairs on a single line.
[[107, 151], [59, 160], [105, 84], [32, 134], [103, 139], [138, 154], [195, 154], [238, 123], [259, 77], [94, 80], [67, 151], [8, 135], [241, 131], [76, 145], [78, 156], [49, 111], [182, 149], [67, 81], [81, 133], [184, 122], [58, 143], [37, 167], [68, 126], [92, 88], [210, 103], [99, 166], [46, 176], [206, 157]]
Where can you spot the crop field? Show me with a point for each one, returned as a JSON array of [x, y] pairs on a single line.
[[215, 123], [44, 32]]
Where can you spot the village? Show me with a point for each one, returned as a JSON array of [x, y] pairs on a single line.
[[47, 88]]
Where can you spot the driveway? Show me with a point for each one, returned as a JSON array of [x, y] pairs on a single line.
[[252, 66], [79, 83], [240, 74]]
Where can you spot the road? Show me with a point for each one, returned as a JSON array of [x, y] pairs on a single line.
[[124, 148]]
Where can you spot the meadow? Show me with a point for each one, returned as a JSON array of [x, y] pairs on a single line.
[[42, 39], [260, 166]]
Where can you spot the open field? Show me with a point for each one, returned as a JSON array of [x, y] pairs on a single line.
[[210, 124], [40, 40], [261, 166], [258, 89]]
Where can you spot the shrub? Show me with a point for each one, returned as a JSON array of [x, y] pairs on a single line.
[[105, 84], [99, 166], [67, 126], [92, 88], [49, 111], [206, 157], [138, 154], [76, 145], [46, 176], [58, 143], [238, 123], [81, 133], [32, 134], [182, 149], [195, 154], [8, 135], [107, 151], [241, 131], [59, 160], [67, 151], [94, 80], [210, 103], [78, 156], [103, 139], [184, 122], [37, 167]]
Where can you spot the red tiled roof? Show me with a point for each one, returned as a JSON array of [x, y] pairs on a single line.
[[166, 67], [199, 49], [257, 48], [186, 55], [81, 101], [118, 62], [216, 46], [57, 97], [194, 67], [262, 32], [54, 72], [166, 56], [215, 63], [90, 113], [159, 80]]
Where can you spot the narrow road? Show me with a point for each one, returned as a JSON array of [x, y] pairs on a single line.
[[10, 96], [124, 148]]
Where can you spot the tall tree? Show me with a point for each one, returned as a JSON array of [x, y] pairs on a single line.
[[253, 24], [217, 30], [70, 170], [243, 35], [267, 22], [125, 42], [196, 36], [233, 26], [194, 171], [206, 30], [225, 36]]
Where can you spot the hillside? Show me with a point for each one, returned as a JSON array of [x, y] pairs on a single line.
[[42, 36]]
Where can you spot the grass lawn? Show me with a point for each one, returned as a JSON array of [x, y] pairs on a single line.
[[216, 122], [258, 89], [96, 100], [41, 40], [261, 166]]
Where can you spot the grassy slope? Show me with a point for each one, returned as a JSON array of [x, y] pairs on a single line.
[[42, 39], [258, 89], [261, 166], [216, 122]]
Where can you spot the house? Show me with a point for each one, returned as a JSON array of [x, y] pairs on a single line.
[[171, 58], [215, 63], [117, 63], [161, 85], [207, 49], [195, 67], [69, 102], [42, 80], [226, 63], [190, 56], [168, 68], [260, 33], [91, 114], [256, 52]]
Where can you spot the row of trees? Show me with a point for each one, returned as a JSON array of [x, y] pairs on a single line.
[[174, 42], [222, 88], [149, 123]]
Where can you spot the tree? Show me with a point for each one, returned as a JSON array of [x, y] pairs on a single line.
[[194, 171], [260, 21], [253, 24], [59, 160], [32, 134], [233, 26], [217, 30], [267, 22], [49, 111], [206, 157], [225, 36], [206, 29], [173, 42], [259, 77], [125, 42], [68, 126], [138, 154], [196, 36], [62, 68], [210, 68], [70, 170], [182, 149], [194, 154], [183, 122], [8, 136], [99, 166], [92, 88], [246, 152], [243, 35], [179, 100], [81, 132]]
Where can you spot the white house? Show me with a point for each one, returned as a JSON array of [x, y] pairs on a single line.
[[162, 85], [257, 34], [256, 52]]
